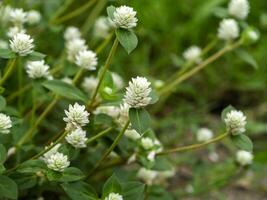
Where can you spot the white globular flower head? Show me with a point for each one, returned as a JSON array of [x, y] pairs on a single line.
[[22, 44], [235, 122], [33, 17], [12, 31], [125, 17], [238, 8], [58, 162], [244, 157], [147, 143], [51, 152], [147, 175], [89, 84], [114, 196], [74, 47], [117, 80], [76, 115], [5, 123], [137, 93], [102, 27], [86, 59], [72, 33], [228, 29], [18, 17], [204, 134], [77, 138], [37, 69], [192, 54]]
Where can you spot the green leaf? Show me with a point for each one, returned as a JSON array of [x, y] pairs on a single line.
[[243, 142], [36, 56], [133, 191], [32, 166], [110, 11], [66, 90], [7, 54], [68, 175], [111, 185], [2, 154], [79, 191], [8, 188], [2, 103], [246, 57], [226, 110], [127, 39], [103, 119], [139, 119], [2, 168]]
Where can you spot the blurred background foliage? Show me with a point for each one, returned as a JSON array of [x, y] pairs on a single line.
[[165, 29]]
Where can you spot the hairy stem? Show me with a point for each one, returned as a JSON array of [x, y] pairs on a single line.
[[99, 135]]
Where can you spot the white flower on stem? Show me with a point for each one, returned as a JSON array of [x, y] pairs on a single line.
[[33, 17], [89, 84], [147, 175], [22, 44], [111, 111], [238, 8], [12, 31], [77, 138], [76, 115], [147, 143], [123, 115], [51, 152], [3, 44], [18, 16], [235, 122], [58, 162], [192, 54], [204, 134], [72, 33], [74, 47], [132, 134], [5, 123], [37, 69], [125, 17], [137, 93], [228, 29], [86, 59], [102, 27], [114, 196], [244, 157], [117, 80]]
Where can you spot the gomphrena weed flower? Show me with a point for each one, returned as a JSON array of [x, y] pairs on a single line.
[[74, 47], [124, 17], [12, 31], [77, 138], [89, 84], [192, 54], [37, 69], [244, 157], [147, 143], [58, 162], [147, 175], [72, 33], [51, 152], [102, 27], [235, 122], [114, 196], [204, 134], [137, 93], [18, 17], [5, 123], [228, 29], [238, 8], [86, 59], [33, 17], [22, 44]]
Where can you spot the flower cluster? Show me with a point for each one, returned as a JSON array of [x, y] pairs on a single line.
[[37, 69], [235, 122], [124, 17], [5, 123], [77, 138], [193, 54], [22, 44], [114, 196], [204, 134]]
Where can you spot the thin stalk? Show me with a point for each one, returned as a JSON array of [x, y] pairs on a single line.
[[77, 76], [104, 43], [20, 83], [99, 135], [74, 13], [194, 146], [33, 106], [9, 69], [62, 9], [110, 149], [20, 91], [106, 66]]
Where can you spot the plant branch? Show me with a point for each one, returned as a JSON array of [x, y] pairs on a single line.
[[9, 69]]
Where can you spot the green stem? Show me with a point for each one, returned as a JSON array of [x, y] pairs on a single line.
[[17, 93], [33, 106], [9, 69], [104, 43], [110, 149], [99, 135], [20, 83], [62, 9], [194, 146], [102, 74], [77, 76]]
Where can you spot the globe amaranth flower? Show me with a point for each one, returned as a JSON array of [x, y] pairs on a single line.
[[33, 17], [204, 134], [72, 33], [86, 59], [192, 54], [5, 123], [22, 44], [147, 175], [137, 93], [89, 84], [58, 162], [117, 80], [238, 8], [124, 17], [235, 122], [114, 196], [76, 115], [51, 152], [74, 47], [37, 69], [244, 157], [77, 138], [102, 27], [228, 29], [147, 143], [18, 16], [12, 31]]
